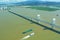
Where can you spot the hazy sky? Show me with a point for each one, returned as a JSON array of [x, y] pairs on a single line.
[[52, 0], [25, 0], [11, 0]]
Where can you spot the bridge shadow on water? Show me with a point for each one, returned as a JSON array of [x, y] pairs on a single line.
[[56, 31]]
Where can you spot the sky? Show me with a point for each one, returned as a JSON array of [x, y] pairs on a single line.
[[52, 0], [12, 0], [26, 0]]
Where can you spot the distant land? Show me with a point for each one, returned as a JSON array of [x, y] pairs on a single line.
[[33, 3]]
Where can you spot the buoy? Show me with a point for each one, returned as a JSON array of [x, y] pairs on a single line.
[[38, 18], [53, 22]]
